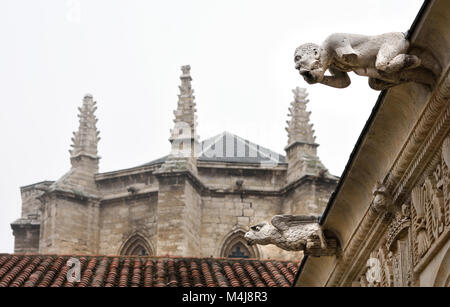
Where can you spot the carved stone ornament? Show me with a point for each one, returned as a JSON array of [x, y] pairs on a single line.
[[400, 223], [430, 210], [383, 58], [293, 233], [381, 201]]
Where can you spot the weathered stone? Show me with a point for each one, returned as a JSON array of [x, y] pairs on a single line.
[[167, 207], [383, 58]]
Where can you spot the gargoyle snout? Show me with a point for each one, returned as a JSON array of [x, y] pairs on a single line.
[[247, 238], [306, 73]]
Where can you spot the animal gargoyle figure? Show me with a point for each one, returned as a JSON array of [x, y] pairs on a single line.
[[292, 233], [383, 58]]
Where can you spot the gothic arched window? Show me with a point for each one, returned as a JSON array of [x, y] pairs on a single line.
[[235, 246], [136, 246], [238, 250]]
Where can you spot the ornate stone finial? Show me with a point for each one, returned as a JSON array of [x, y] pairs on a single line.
[[85, 140], [386, 62], [183, 137], [299, 129], [293, 233], [186, 69], [185, 118]]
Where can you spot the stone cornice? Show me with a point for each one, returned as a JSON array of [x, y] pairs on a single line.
[[249, 166], [129, 196], [200, 165], [194, 180], [71, 195], [371, 227], [431, 128], [36, 185], [127, 172], [26, 225]]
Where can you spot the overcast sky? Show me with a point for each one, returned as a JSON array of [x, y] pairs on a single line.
[[128, 55]]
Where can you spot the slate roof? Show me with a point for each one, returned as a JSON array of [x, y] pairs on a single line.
[[230, 148], [140, 271]]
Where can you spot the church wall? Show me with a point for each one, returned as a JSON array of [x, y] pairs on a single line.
[[176, 218], [30, 204], [192, 220], [223, 215], [26, 240], [225, 178], [123, 218], [120, 184], [309, 198], [65, 227]]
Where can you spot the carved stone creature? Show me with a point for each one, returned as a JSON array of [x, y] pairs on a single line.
[[381, 201], [292, 233], [383, 58]]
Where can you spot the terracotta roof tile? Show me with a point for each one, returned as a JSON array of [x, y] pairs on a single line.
[[148, 273], [136, 277], [142, 271], [100, 273]]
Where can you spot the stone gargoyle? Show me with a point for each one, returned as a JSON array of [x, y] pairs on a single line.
[[293, 233], [383, 58]]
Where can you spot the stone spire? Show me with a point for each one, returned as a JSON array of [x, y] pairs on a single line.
[[185, 117], [299, 129], [301, 151], [85, 140], [83, 155], [183, 137]]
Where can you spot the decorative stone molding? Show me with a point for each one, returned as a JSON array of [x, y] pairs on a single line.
[[401, 223], [431, 211], [356, 253], [430, 130]]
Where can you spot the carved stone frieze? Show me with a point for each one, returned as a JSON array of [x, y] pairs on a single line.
[[430, 210]]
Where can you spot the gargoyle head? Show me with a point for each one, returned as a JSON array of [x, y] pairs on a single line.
[[307, 62], [261, 233], [381, 200]]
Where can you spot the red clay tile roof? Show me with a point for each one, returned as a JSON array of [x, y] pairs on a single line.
[[119, 271]]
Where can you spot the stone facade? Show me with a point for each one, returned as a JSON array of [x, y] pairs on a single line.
[[390, 211], [198, 201]]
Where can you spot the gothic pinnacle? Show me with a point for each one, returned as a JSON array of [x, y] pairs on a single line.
[[86, 139], [299, 129], [185, 117]]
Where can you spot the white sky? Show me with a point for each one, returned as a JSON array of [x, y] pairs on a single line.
[[128, 55]]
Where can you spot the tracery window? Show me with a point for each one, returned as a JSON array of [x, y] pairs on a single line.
[[235, 246], [239, 251], [136, 246]]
